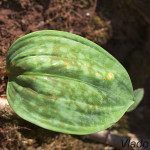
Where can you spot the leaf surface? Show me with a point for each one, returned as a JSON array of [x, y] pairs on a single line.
[[66, 83]]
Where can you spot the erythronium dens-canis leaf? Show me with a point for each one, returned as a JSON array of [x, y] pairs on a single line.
[[66, 83]]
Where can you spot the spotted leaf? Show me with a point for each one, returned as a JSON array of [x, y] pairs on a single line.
[[66, 83]]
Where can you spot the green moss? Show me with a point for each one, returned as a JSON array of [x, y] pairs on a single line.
[[124, 127], [99, 23]]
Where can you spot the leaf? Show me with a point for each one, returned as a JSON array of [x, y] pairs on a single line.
[[138, 96], [66, 83]]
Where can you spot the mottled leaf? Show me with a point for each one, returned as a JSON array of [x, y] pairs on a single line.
[[66, 83]]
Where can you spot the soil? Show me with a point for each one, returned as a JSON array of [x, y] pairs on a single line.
[[121, 27]]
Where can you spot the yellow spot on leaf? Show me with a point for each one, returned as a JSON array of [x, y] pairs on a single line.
[[96, 106], [68, 66], [33, 78], [86, 66], [35, 63], [101, 99], [110, 76], [97, 74]]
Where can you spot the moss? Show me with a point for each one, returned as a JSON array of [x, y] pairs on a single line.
[[98, 22], [98, 30], [123, 127]]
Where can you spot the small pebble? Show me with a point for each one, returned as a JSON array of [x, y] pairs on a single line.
[[87, 14]]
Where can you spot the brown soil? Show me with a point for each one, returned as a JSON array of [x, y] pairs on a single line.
[[121, 27]]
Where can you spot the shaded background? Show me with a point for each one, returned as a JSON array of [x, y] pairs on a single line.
[[122, 27]]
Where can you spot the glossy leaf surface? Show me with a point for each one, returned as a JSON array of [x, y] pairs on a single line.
[[66, 83]]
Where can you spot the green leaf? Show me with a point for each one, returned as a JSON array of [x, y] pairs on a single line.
[[66, 83], [138, 96]]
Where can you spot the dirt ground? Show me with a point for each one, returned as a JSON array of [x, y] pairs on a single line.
[[120, 27]]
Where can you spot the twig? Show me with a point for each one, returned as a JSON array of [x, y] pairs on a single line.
[[95, 5], [110, 139], [76, 13]]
